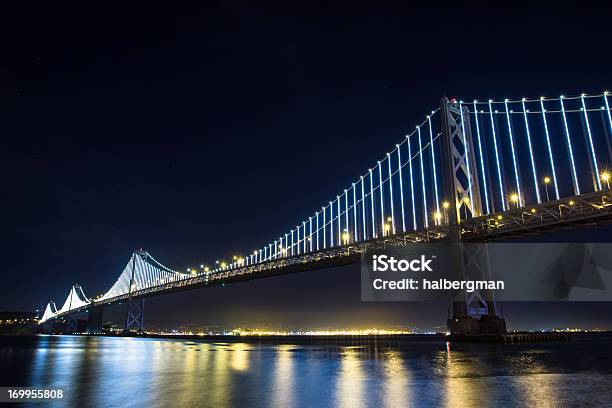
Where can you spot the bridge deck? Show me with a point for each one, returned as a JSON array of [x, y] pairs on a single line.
[[575, 212]]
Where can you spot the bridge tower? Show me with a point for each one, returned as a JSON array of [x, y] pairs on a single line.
[[472, 314], [135, 307], [71, 320]]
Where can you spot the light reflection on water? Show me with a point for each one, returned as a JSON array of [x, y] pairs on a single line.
[[350, 388], [396, 381], [283, 377], [106, 371]]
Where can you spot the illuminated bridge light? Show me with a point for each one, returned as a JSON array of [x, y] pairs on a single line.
[[593, 155], [331, 224], [514, 162], [391, 193], [482, 168], [605, 97], [298, 243], [412, 200], [550, 155], [605, 177], [382, 204], [363, 214], [338, 216], [317, 215], [399, 162], [345, 237], [346, 210], [499, 175], [533, 166], [374, 233], [569, 147], [292, 243], [287, 244], [425, 215], [433, 162], [324, 230], [310, 233], [354, 213]]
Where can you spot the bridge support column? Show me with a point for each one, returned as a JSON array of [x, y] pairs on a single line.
[[71, 324], [461, 191], [47, 327], [135, 308], [94, 319], [135, 315]]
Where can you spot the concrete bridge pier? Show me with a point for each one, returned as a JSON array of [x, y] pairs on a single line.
[[71, 324], [47, 327], [94, 319]]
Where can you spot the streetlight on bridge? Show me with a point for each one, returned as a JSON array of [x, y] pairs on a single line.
[[605, 176], [445, 207], [546, 183], [345, 237], [514, 198]]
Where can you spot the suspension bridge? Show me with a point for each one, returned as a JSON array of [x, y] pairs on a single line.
[[476, 171]]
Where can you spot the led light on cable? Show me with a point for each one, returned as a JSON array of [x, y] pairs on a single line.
[[569, 146], [499, 175], [550, 155], [425, 215], [391, 194], [514, 162], [482, 168], [374, 232], [593, 155], [399, 167], [414, 223], [382, 204], [433, 163]]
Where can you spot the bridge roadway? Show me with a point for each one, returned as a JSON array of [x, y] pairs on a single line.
[[586, 210]]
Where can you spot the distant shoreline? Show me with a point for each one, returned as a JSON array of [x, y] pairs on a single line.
[[276, 339], [307, 339]]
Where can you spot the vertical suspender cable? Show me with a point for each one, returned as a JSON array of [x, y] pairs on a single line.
[[516, 175], [569, 146], [363, 206], [499, 175], [374, 233], [401, 183], [482, 168], [550, 154], [533, 166], [382, 204], [425, 215], [433, 163], [588, 126], [391, 194], [414, 223]]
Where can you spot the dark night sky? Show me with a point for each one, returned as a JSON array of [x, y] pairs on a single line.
[[201, 132]]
